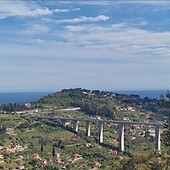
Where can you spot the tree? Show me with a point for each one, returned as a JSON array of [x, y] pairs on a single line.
[[53, 151], [43, 141], [166, 133], [42, 147], [34, 163], [165, 103]]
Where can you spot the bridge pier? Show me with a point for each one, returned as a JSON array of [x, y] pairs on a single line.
[[157, 138], [100, 132], [87, 128], [121, 137], [75, 125], [63, 122]]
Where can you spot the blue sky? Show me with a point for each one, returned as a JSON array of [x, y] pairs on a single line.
[[107, 45]]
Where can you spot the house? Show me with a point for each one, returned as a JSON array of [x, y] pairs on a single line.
[[5, 149], [98, 117], [57, 155], [43, 161], [119, 157], [77, 156], [96, 164], [28, 105], [113, 151], [57, 158], [35, 156], [1, 158], [20, 167]]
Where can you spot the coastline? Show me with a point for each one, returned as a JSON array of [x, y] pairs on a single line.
[[19, 97]]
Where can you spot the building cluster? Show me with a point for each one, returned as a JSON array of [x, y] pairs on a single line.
[[13, 148]]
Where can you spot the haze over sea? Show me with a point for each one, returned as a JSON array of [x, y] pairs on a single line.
[[15, 97]]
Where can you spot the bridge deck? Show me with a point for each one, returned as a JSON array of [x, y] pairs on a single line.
[[97, 120]]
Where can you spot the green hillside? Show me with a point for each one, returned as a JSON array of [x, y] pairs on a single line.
[[90, 102], [46, 144]]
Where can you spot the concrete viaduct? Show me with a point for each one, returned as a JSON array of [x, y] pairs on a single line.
[[101, 122]]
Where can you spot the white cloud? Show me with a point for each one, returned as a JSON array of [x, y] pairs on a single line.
[[74, 28], [36, 29], [121, 40], [80, 52], [128, 55], [114, 27], [21, 8], [85, 19], [65, 10], [153, 2], [151, 5], [110, 2], [37, 41], [89, 2], [41, 11]]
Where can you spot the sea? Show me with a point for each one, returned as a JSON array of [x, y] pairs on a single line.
[[18, 97], [152, 94]]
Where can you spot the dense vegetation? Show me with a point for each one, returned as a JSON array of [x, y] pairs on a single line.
[[92, 103], [59, 146], [165, 103], [49, 139], [13, 107]]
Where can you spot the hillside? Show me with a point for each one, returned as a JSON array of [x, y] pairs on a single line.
[[46, 144], [105, 104], [90, 102]]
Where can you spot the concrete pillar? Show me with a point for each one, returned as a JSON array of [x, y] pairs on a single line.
[[157, 138], [100, 132], [63, 122], [121, 137], [87, 128], [75, 125]]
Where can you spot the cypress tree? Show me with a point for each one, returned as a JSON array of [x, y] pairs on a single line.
[[42, 147], [53, 151]]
